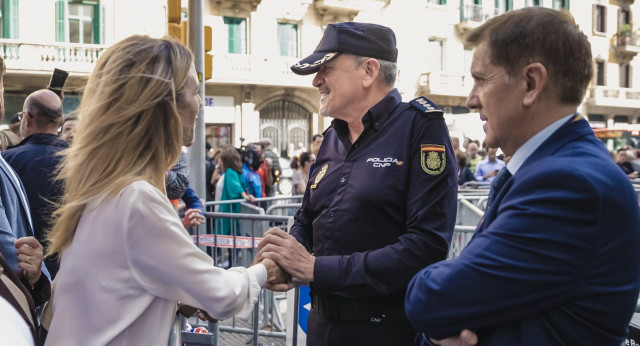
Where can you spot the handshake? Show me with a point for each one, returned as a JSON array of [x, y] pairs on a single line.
[[286, 260]]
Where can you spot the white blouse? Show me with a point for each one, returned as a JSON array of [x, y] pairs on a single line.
[[130, 262]]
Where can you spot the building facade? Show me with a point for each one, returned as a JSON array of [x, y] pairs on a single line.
[[253, 94]]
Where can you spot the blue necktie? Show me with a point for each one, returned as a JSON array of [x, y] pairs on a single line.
[[497, 184]]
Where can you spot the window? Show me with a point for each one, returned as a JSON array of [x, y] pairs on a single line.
[[504, 5], [78, 22], [435, 55], [530, 3], [625, 75], [599, 18], [620, 119], [9, 18], [560, 4], [600, 72], [597, 121], [437, 2], [625, 17], [288, 39], [236, 35]]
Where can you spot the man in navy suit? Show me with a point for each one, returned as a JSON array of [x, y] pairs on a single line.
[[556, 259]]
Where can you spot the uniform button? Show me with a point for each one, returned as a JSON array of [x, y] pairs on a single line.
[[331, 214], [342, 180], [355, 145], [377, 124]]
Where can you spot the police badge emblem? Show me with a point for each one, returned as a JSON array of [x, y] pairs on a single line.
[[433, 158], [321, 174]]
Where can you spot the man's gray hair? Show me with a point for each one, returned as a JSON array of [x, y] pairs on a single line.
[[388, 69]]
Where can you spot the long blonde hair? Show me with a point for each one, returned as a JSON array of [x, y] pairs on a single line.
[[129, 130]]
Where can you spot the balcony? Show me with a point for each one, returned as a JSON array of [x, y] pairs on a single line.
[[333, 11], [29, 65], [250, 69], [236, 7], [627, 47], [445, 88], [472, 16], [72, 57], [613, 97]]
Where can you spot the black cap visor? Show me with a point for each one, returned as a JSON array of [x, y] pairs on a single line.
[[312, 63]]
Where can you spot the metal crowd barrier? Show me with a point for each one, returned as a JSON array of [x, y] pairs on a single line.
[[480, 185], [240, 246]]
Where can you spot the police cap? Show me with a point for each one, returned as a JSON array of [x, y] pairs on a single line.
[[362, 39]]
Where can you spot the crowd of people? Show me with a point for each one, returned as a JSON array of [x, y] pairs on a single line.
[[90, 202], [483, 165]]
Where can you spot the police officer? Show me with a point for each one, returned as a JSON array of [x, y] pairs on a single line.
[[381, 200]]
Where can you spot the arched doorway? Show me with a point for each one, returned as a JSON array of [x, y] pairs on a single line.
[[287, 124]]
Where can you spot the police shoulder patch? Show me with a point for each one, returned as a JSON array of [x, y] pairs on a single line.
[[425, 105], [433, 158]]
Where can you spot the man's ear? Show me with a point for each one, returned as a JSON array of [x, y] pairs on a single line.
[[534, 82], [371, 69], [27, 119]]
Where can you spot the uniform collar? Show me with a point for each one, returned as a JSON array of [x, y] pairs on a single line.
[[381, 111], [376, 116]]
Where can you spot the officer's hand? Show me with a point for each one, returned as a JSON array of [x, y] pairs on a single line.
[[285, 250], [30, 255], [264, 242], [466, 338]]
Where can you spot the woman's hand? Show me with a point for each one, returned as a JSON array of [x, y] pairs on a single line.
[[192, 218]]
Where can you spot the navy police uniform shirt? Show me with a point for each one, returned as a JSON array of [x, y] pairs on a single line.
[[378, 210]]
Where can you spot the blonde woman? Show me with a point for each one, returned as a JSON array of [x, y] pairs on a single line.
[[125, 255]]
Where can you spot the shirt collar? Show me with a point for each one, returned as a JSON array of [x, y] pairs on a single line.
[[376, 115], [381, 111], [529, 147]]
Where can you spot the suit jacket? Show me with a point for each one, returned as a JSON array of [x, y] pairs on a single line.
[[35, 160], [15, 219], [555, 260]]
